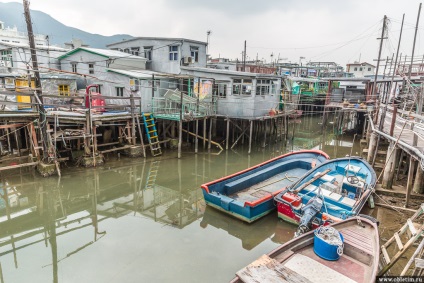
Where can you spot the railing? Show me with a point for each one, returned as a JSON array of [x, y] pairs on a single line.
[[162, 106]]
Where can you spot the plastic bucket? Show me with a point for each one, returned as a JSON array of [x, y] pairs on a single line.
[[325, 250]]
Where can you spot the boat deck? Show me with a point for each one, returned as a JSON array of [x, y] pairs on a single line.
[[301, 264], [269, 186]]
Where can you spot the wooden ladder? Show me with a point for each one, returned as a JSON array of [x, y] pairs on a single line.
[[152, 134], [413, 232]]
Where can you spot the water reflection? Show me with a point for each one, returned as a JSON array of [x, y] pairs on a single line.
[[49, 226], [251, 235]]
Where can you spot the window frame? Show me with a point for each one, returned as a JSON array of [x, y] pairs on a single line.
[[194, 53], [242, 88], [148, 52], [64, 90], [74, 67], [119, 91], [91, 68], [173, 52]]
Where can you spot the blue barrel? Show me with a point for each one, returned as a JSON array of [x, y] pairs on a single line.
[[325, 250]]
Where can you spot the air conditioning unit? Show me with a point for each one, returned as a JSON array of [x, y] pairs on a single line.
[[188, 60]]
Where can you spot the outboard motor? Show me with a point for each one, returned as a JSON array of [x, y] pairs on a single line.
[[313, 206]]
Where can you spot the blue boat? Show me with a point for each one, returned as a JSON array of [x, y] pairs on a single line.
[[331, 192], [248, 194]]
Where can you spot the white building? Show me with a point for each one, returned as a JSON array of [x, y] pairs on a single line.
[[360, 70], [12, 35], [239, 94], [165, 55], [15, 53]]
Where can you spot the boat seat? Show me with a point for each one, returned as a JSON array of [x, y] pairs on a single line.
[[348, 201], [259, 176], [331, 195], [310, 188], [326, 178]]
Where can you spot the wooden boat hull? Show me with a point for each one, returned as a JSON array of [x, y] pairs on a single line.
[[295, 261], [338, 205], [248, 195]]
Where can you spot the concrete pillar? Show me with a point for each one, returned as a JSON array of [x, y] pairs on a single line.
[[372, 147], [418, 184], [389, 170]]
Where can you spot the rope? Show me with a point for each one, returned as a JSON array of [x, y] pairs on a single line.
[[17, 129]]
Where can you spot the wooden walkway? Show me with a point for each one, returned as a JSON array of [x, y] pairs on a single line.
[[407, 134]]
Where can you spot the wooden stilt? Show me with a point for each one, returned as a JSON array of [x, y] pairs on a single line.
[[372, 147], [250, 136], [418, 184], [228, 134], [389, 169], [210, 133], [180, 137], [409, 185], [204, 132], [196, 143]]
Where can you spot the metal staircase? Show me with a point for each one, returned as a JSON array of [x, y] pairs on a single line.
[[411, 232], [152, 134]]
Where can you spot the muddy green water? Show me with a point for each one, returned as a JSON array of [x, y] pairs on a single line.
[[136, 220]]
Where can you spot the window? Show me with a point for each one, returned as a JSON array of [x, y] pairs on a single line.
[[222, 90], [242, 86], [135, 50], [90, 68], [369, 69], [119, 91], [74, 67], [356, 69], [194, 51], [173, 52], [360, 69], [64, 90], [148, 52], [262, 87], [6, 58]]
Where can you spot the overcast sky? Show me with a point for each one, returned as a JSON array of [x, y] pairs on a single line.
[[343, 31]]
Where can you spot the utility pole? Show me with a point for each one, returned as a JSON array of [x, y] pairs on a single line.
[[244, 57], [379, 57], [413, 46], [419, 98], [38, 93]]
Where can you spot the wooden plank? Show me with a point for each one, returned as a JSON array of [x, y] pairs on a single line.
[[268, 270], [411, 227], [385, 254], [398, 241], [18, 166], [311, 181], [419, 263]]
